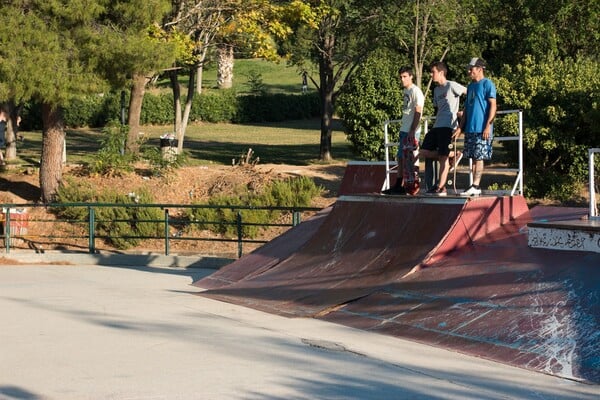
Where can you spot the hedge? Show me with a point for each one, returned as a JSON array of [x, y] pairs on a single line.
[[222, 106]]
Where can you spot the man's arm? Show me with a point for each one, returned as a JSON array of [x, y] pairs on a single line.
[[491, 116], [462, 117], [416, 121]]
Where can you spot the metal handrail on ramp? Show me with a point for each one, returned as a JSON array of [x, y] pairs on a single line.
[[517, 187]]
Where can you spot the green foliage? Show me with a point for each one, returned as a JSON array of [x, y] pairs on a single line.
[[111, 159], [162, 164], [296, 192], [157, 109], [372, 96], [276, 107], [255, 82], [215, 107], [561, 103], [122, 227], [221, 106]]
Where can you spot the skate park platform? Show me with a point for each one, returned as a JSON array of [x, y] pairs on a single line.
[[455, 273]]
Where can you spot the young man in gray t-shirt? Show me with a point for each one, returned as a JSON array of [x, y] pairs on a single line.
[[446, 100]]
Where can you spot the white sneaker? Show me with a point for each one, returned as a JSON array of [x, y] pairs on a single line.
[[472, 191]]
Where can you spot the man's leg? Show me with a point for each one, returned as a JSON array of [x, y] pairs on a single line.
[[443, 171], [477, 172], [431, 173]]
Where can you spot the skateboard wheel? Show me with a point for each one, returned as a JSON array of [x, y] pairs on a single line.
[[450, 182]]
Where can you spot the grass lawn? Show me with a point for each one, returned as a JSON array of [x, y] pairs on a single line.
[[289, 142], [276, 77]]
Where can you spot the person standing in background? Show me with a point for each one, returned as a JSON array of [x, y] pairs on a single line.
[[477, 122], [446, 99], [412, 109]]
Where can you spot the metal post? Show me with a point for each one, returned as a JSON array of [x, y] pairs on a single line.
[[239, 232], [167, 249], [7, 230], [592, 188], [91, 230], [386, 184], [295, 218], [521, 165]]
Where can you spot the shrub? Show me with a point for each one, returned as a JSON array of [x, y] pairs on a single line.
[[372, 96], [112, 159], [294, 192], [560, 100], [122, 227]]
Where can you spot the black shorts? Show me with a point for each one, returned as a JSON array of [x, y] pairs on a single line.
[[438, 139]]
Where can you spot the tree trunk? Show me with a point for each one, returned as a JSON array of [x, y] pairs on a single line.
[[12, 127], [186, 112], [326, 125], [53, 141], [225, 62], [174, 77], [138, 89], [326, 90], [199, 73]]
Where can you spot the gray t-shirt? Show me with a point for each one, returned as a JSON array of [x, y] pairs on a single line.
[[446, 99], [413, 97]]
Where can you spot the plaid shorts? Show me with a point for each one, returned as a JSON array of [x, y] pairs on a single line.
[[478, 148]]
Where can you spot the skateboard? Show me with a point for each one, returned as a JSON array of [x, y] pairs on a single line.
[[410, 150], [452, 147]]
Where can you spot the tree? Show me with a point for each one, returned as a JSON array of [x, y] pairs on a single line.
[[336, 36], [252, 28], [42, 46], [371, 96], [53, 51], [131, 51], [561, 102], [200, 25]]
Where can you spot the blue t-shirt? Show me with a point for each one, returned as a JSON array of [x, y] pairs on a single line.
[[477, 106]]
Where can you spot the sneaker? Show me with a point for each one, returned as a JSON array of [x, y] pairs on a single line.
[[395, 190], [440, 191], [454, 161], [472, 191]]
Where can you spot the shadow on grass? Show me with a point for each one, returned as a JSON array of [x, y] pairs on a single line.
[[228, 153]]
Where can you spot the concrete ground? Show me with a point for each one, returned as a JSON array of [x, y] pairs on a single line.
[[114, 332]]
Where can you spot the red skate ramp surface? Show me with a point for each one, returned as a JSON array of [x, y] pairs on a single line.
[[475, 287], [362, 177], [362, 245]]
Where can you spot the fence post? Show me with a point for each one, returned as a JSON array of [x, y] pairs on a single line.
[[239, 232], [7, 230], [295, 218], [167, 250], [91, 229]]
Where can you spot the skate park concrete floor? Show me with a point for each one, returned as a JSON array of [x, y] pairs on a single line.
[[135, 332]]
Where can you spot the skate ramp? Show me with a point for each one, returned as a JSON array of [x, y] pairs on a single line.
[[500, 300], [363, 177], [363, 244], [453, 273]]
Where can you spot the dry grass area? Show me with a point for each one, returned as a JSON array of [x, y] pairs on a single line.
[[185, 185]]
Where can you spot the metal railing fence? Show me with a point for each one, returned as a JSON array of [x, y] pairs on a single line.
[[18, 223]]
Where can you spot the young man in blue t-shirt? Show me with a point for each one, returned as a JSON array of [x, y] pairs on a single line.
[[477, 122]]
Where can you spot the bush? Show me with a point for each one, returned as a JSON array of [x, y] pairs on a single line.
[[560, 100], [295, 192], [372, 96], [112, 159], [122, 227], [157, 109]]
